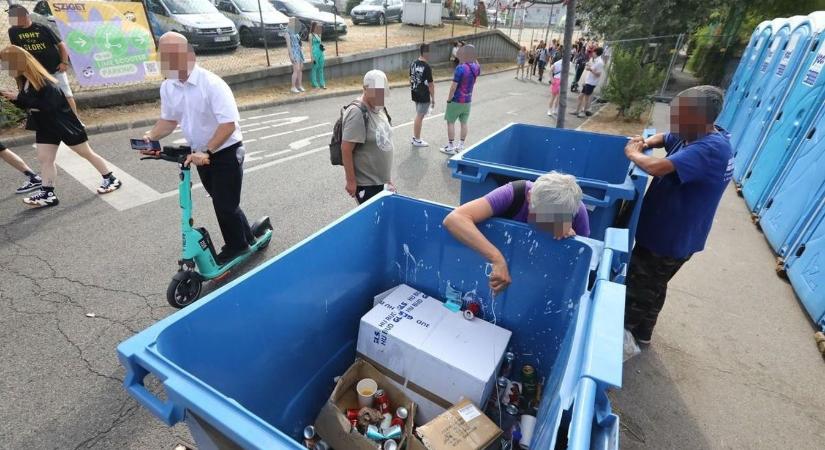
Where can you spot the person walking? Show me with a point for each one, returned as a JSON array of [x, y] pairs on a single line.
[[581, 61], [296, 55], [541, 57], [555, 87], [52, 120], [460, 97], [423, 92], [531, 62], [521, 59], [33, 180], [212, 130], [46, 47], [367, 146], [594, 73], [680, 203], [317, 74]]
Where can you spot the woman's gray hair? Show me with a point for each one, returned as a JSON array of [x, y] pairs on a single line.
[[555, 193]]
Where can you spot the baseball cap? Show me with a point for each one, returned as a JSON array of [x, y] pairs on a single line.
[[376, 79]]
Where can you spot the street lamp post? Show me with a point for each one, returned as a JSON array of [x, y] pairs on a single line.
[[386, 29], [263, 32], [570, 22]]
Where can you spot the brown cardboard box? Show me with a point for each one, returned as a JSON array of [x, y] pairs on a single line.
[[462, 427], [332, 424]]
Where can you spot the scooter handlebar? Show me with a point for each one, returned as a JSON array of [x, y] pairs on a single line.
[[172, 154]]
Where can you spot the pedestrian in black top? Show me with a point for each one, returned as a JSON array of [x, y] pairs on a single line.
[[423, 92], [53, 122], [33, 180], [46, 46]]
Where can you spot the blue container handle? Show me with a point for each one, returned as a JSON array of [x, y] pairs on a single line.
[[602, 203], [133, 382], [458, 172], [584, 409], [636, 171]]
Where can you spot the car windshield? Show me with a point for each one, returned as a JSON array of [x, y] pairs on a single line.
[[189, 6], [252, 5], [300, 7], [373, 2]]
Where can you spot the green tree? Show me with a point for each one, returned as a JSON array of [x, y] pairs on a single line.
[[10, 115], [630, 84]]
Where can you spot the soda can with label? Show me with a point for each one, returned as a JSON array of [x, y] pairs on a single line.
[[383, 401]]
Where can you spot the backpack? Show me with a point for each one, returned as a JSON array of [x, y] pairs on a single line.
[[335, 156], [519, 197]]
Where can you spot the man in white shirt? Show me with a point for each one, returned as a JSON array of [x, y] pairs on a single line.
[[594, 70], [204, 106]]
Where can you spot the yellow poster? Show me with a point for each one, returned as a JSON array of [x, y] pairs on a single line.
[[109, 42]]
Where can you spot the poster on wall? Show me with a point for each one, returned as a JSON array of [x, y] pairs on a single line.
[[109, 42]]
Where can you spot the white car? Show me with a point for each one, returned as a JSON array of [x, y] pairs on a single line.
[[247, 19], [202, 24]]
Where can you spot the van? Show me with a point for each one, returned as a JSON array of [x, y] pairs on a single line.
[[247, 19], [202, 24]]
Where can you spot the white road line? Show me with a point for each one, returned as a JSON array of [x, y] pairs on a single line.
[[306, 142], [246, 141], [272, 155], [265, 115], [286, 121], [133, 193], [293, 131], [412, 122], [256, 129], [247, 125]]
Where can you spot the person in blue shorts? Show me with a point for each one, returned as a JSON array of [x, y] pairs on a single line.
[[678, 208]]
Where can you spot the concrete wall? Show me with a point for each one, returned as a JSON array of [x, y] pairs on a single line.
[[491, 45]]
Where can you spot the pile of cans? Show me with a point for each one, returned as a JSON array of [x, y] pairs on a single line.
[[514, 404]]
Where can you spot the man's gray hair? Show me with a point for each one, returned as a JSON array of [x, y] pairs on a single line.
[[555, 193], [709, 99]]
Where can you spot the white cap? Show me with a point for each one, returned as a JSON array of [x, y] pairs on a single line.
[[376, 79]]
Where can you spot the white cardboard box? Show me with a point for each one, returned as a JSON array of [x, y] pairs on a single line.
[[436, 352]]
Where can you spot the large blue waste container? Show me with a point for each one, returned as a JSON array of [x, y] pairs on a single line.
[[760, 104], [749, 64], [611, 184], [783, 137], [252, 363], [805, 266], [793, 199]]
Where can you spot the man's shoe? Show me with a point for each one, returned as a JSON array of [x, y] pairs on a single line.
[[228, 254], [30, 185], [42, 199], [643, 337], [110, 184], [448, 150]]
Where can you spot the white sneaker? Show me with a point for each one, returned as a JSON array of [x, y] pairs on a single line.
[[448, 150], [419, 143], [460, 147], [301, 88], [550, 113], [580, 115], [295, 91]]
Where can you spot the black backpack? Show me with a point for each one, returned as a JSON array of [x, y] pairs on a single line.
[[519, 197], [335, 157]]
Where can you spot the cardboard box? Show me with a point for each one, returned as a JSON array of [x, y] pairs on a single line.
[[435, 353], [332, 424], [462, 427]]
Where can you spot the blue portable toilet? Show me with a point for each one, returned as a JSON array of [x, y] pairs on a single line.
[[751, 58], [793, 118], [806, 267], [759, 105], [792, 201]]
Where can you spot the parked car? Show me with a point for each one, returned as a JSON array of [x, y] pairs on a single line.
[[377, 11], [202, 24], [307, 14], [323, 5], [247, 19]]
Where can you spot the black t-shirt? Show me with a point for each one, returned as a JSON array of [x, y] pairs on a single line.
[[421, 75], [40, 41]]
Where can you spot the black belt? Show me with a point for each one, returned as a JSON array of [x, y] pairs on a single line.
[[231, 148]]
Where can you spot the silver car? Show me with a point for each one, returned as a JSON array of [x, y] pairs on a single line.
[[247, 19]]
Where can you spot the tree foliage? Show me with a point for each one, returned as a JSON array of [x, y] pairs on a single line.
[[10, 115], [631, 84]]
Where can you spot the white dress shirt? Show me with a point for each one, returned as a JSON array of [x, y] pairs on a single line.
[[199, 105]]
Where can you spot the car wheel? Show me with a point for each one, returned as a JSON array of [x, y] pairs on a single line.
[[246, 38], [381, 20]]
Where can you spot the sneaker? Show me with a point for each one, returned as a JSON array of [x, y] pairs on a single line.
[[30, 185], [643, 337], [227, 254], [302, 89], [110, 184], [295, 91], [460, 147], [550, 113], [42, 199], [574, 113], [448, 150], [419, 143], [588, 113], [580, 115]]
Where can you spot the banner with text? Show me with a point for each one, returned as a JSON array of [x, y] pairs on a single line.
[[109, 42]]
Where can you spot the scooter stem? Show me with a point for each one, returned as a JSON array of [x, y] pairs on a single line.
[[185, 197]]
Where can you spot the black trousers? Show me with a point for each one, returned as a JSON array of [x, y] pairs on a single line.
[[364, 193], [223, 180], [647, 279], [579, 72]]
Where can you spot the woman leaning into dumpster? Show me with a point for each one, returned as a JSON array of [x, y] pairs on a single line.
[[553, 204]]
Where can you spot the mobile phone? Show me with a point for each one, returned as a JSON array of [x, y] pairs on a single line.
[[140, 144]]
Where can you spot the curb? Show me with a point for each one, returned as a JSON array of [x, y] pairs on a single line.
[[121, 126]]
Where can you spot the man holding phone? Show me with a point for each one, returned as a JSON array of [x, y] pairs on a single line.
[[204, 106]]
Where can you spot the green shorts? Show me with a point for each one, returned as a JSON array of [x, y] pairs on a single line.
[[457, 111]]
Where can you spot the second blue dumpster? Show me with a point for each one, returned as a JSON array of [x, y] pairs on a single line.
[[250, 365]]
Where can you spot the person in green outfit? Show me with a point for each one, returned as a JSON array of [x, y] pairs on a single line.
[[317, 74]]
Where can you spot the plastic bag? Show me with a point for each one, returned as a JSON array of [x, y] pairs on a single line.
[[631, 348]]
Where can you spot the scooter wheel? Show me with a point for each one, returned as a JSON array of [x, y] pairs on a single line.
[[183, 290]]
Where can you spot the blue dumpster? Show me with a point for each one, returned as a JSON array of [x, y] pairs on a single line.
[[805, 263], [611, 184], [750, 63], [793, 199], [251, 364], [760, 104]]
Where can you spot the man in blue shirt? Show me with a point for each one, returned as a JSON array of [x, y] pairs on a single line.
[[680, 203]]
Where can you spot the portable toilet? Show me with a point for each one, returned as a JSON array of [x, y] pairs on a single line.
[[778, 147], [753, 55], [805, 265], [758, 108], [793, 200]]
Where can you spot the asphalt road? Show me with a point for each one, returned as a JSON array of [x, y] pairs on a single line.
[[113, 256]]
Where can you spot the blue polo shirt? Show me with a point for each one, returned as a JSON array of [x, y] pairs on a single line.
[[678, 208]]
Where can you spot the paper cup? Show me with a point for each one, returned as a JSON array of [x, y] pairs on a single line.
[[366, 390], [528, 424]]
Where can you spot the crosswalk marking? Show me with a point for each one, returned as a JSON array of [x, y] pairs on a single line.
[[265, 115]]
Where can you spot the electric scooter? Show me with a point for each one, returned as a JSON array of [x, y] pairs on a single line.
[[199, 261]]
